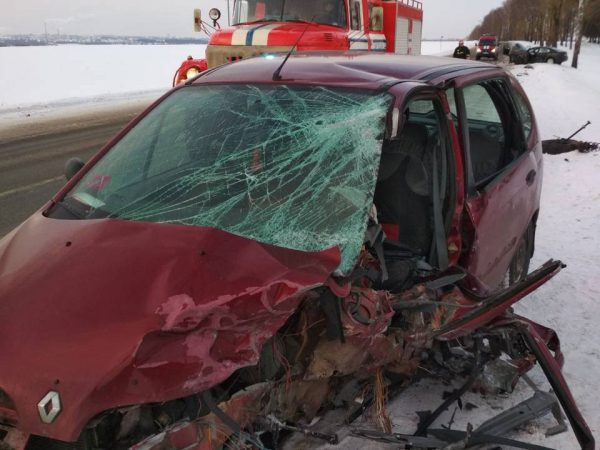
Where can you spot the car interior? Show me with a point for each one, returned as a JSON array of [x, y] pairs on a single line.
[[414, 192]]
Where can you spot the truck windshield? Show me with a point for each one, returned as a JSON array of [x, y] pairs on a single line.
[[289, 166], [484, 42], [330, 12]]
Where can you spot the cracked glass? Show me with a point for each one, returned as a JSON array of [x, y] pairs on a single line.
[[289, 166]]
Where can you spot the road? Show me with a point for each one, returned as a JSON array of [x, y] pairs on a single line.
[[33, 154]]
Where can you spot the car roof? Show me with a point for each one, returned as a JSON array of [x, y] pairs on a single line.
[[367, 70]]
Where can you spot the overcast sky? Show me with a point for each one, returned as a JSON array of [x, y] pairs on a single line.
[[448, 18]]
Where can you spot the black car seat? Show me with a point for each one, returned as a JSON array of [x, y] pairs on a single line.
[[403, 191]]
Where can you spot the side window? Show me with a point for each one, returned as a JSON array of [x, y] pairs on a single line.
[[493, 137], [524, 113], [355, 16], [375, 17], [450, 95]]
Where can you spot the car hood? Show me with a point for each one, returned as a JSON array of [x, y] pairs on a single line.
[[110, 313]]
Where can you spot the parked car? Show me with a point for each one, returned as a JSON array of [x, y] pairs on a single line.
[[488, 47], [521, 54], [268, 240]]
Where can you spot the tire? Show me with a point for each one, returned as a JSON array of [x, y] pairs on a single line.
[[478, 57], [519, 266], [550, 60]]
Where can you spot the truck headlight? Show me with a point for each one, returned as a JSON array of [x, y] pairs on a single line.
[[191, 72]]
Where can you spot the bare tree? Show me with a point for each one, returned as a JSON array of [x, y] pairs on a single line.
[[578, 32]]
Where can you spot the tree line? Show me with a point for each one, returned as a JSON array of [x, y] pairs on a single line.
[[549, 22]]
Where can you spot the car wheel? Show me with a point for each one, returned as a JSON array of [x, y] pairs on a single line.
[[519, 266], [478, 57], [550, 60]]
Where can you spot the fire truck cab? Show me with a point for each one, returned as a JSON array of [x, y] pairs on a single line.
[[262, 27]]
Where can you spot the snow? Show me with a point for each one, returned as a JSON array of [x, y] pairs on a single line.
[[568, 229], [66, 74], [438, 48]]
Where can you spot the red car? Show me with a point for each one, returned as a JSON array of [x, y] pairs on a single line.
[[269, 240]]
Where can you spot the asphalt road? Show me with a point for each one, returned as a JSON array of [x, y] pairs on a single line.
[[33, 154]]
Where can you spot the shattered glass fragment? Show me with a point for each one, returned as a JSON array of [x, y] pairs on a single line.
[[291, 166]]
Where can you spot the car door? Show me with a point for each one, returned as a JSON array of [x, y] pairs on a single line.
[[502, 193], [533, 55]]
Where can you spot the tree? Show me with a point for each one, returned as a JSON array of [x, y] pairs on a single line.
[[578, 32]]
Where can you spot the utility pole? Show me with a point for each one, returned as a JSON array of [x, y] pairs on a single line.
[[578, 32]]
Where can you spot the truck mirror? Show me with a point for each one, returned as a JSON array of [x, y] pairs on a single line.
[[197, 20], [215, 15]]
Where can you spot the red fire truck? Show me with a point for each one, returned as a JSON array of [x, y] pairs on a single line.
[[273, 26]]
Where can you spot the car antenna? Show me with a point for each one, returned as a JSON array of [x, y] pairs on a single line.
[[277, 73]]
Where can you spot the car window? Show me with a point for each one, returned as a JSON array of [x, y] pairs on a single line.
[[450, 95], [524, 113], [493, 139], [355, 15]]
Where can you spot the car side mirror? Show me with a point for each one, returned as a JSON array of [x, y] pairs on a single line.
[[73, 166]]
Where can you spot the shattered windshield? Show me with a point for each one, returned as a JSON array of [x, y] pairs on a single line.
[[330, 12], [289, 166]]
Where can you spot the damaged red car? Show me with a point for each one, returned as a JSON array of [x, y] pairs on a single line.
[[276, 238]]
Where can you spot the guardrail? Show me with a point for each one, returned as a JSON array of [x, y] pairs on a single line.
[[412, 3]]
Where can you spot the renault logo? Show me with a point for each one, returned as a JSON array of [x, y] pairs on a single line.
[[49, 407]]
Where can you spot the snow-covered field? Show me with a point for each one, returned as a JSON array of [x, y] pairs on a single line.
[[40, 78], [438, 47], [65, 74], [569, 225]]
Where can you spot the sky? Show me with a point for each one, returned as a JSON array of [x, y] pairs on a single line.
[[448, 18]]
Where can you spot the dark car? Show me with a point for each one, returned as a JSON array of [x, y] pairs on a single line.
[[272, 239], [521, 54], [488, 47]]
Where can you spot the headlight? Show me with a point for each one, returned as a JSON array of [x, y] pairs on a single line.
[[493, 50], [214, 14], [191, 72], [478, 50]]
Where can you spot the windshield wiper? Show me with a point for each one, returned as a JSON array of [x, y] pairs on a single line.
[[64, 205]]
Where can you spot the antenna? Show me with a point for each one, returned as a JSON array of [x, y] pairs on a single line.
[[277, 73]]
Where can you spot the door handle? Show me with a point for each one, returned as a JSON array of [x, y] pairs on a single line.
[[530, 178]]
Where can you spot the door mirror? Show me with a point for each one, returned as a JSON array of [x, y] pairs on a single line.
[[73, 166]]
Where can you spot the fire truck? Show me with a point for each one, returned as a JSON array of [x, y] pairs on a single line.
[[263, 27]]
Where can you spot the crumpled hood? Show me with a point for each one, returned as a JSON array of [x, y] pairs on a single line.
[[112, 313]]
